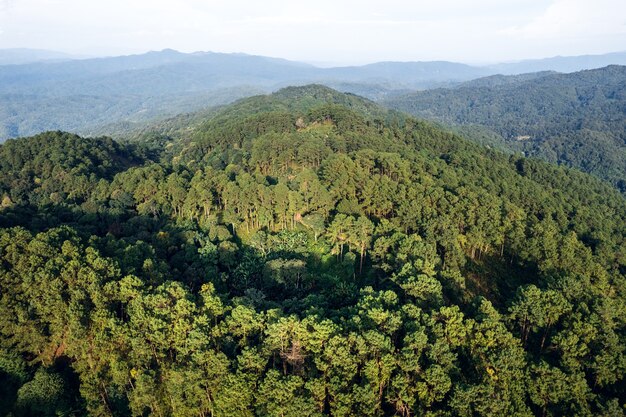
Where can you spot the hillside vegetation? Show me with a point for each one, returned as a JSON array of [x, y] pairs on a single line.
[[306, 254], [578, 119]]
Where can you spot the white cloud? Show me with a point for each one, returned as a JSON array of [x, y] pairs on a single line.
[[349, 31], [575, 18]]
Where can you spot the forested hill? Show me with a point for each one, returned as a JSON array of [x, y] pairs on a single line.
[[577, 119], [306, 254]]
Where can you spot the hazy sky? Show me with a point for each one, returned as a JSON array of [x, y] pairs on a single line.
[[332, 31]]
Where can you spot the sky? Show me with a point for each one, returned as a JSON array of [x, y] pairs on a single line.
[[326, 32]]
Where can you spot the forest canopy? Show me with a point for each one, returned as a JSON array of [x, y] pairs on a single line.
[[577, 120], [306, 253]]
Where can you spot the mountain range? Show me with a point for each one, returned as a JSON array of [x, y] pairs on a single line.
[[17, 56], [85, 94]]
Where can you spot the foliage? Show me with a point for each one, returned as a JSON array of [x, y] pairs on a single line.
[[307, 254], [577, 120]]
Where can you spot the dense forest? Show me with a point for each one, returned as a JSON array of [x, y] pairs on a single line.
[[306, 253], [578, 119]]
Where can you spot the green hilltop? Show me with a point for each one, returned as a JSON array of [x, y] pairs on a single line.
[[305, 253]]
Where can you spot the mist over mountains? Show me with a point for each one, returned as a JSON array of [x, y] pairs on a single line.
[[561, 63], [58, 92], [16, 56]]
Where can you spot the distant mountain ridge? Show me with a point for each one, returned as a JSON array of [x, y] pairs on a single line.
[[83, 94], [79, 95], [206, 69], [561, 63], [18, 56], [500, 79]]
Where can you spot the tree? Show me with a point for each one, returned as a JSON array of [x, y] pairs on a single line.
[[361, 237], [44, 395]]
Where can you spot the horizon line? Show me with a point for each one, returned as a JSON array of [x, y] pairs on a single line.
[[72, 56]]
